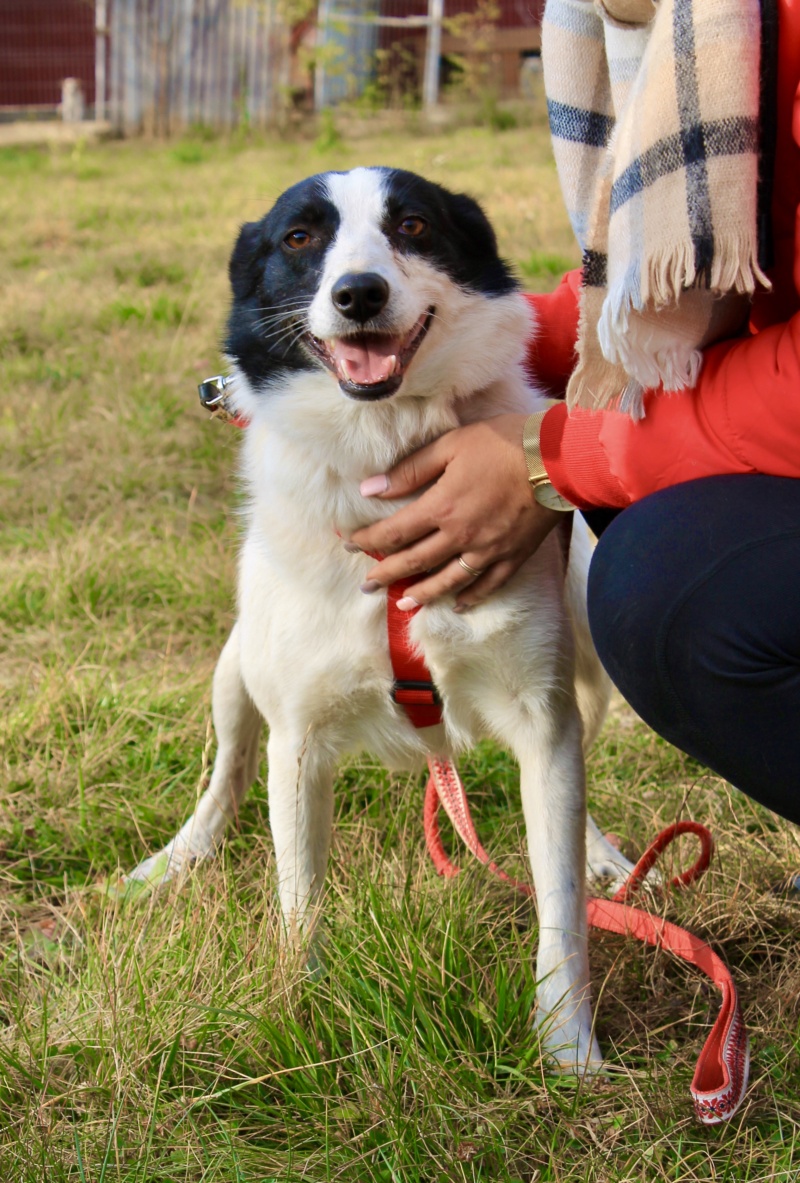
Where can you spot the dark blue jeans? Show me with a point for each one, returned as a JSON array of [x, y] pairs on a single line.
[[694, 604]]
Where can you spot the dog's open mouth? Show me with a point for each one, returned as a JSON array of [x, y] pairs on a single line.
[[371, 366]]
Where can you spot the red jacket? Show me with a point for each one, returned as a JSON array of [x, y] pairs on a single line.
[[744, 413]]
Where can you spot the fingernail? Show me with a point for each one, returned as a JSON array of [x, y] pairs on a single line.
[[373, 485], [459, 609], [370, 586], [407, 603], [351, 548]]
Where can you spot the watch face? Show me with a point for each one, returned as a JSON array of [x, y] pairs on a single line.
[[550, 498]]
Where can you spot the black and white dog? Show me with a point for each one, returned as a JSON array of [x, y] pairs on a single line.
[[371, 313]]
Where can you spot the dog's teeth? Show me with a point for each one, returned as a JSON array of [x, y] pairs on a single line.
[[393, 367], [344, 365]]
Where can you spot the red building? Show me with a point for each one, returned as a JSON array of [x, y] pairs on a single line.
[[42, 42]]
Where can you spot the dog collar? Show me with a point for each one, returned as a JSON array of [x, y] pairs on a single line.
[[213, 399]]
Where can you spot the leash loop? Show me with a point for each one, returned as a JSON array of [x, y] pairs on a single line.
[[657, 847]]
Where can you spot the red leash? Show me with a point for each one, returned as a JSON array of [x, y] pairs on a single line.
[[720, 1077]]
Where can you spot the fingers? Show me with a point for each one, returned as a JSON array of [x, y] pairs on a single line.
[[479, 507], [426, 556], [403, 528], [445, 574], [451, 579], [491, 581], [414, 521], [416, 470]]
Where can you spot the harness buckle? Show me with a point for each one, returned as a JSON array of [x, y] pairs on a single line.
[[406, 692]]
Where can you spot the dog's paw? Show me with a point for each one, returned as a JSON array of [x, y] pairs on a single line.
[[190, 845], [563, 1023], [177, 856], [604, 860], [316, 959], [159, 868], [607, 866], [568, 1050], [148, 876]]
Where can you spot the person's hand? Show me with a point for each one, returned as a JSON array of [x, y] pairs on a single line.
[[479, 508]]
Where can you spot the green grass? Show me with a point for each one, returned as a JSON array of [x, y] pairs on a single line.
[[171, 1038], [541, 265]]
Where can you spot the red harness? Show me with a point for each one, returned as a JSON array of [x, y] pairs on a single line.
[[413, 687]]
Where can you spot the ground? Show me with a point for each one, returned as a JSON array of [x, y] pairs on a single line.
[[168, 1039]]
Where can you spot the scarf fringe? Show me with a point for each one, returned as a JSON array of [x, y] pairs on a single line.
[[738, 273], [606, 394], [637, 344], [648, 352], [734, 268], [671, 271]]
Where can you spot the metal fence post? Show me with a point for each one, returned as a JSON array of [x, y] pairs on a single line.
[[100, 43], [433, 52]]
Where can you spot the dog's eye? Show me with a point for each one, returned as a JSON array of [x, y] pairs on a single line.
[[297, 239], [413, 226]]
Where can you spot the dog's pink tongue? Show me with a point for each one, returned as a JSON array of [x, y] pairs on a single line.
[[367, 361]]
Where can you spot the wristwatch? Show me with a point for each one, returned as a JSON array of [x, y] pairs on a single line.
[[543, 489]]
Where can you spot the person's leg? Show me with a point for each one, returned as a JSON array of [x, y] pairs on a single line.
[[694, 605]]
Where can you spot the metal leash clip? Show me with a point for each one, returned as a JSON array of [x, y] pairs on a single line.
[[212, 398]]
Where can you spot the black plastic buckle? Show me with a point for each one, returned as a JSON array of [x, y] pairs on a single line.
[[401, 684]]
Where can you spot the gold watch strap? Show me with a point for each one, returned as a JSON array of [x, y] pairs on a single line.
[[543, 490], [537, 473]]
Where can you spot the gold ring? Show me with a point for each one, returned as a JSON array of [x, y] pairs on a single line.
[[470, 570]]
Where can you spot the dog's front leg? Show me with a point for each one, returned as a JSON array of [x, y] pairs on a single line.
[[300, 786], [238, 727], [552, 780]]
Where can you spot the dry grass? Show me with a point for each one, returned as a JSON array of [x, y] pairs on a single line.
[[170, 1039]]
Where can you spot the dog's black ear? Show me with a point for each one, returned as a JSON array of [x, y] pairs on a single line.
[[480, 264], [243, 267], [471, 222]]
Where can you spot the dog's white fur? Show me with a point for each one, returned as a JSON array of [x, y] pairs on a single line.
[[309, 651]]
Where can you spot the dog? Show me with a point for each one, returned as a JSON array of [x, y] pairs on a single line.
[[371, 313]]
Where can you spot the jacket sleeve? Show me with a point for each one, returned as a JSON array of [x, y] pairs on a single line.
[[551, 349], [743, 416]]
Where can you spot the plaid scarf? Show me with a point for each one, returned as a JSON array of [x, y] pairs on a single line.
[[654, 110]]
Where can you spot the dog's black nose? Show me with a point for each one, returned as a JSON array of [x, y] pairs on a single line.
[[360, 295]]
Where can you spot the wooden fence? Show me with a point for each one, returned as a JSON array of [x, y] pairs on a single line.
[[172, 64]]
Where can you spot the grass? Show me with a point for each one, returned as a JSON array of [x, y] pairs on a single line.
[[172, 1039]]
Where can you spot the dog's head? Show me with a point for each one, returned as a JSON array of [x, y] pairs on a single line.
[[357, 274]]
